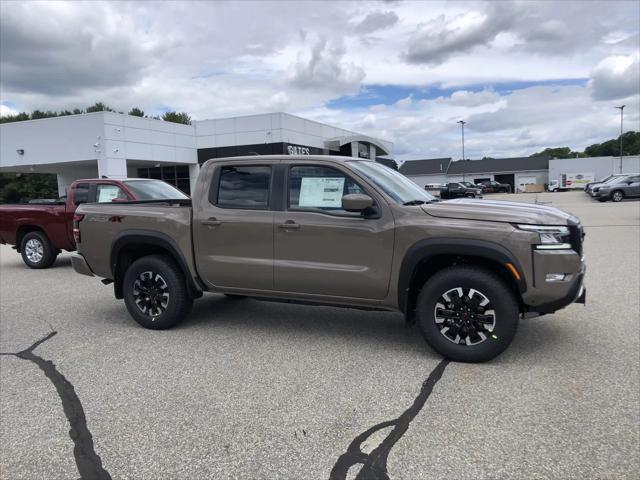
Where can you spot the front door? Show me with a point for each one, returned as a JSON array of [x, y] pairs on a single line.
[[320, 249], [234, 228]]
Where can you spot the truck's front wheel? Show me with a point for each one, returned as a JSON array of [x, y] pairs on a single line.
[[155, 292], [37, 251], [467, 314]]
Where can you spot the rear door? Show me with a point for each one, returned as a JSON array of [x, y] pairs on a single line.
[[234, 227], [320, 249]]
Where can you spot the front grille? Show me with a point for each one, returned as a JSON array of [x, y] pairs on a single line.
[[576, 235]]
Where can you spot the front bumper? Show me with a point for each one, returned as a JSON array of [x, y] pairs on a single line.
[[577, 294], [80, 265], [600, 193]]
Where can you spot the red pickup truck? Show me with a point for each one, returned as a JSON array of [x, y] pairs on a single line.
[[40, 231]]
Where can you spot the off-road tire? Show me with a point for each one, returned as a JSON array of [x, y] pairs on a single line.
[[163, 271], [617, 196], [37, 251], [502, 301]]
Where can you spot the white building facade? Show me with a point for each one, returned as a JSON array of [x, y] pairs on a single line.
[[120, 146]]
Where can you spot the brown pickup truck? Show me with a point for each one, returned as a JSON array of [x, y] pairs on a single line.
[[338, 231], [40, 230]]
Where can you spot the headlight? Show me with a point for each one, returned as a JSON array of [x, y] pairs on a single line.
[[551, 237]]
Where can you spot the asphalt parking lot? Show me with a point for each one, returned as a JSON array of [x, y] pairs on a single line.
[[249, 389]]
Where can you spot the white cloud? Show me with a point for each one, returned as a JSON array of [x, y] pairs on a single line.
[[323, 68], [6, 111], [616, 77], [215, 59]]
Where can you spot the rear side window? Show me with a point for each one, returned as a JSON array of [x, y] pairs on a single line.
[[244, 187], [81, 193]]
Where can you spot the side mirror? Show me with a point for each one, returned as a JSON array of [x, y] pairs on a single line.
[[356, 202]]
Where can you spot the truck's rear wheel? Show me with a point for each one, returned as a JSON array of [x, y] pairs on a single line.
[[467, 314], [37, 251], [155, 292]]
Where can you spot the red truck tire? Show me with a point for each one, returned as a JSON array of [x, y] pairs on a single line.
[[37, 251]]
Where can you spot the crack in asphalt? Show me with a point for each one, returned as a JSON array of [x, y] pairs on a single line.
[[374, 464], [87, 460]]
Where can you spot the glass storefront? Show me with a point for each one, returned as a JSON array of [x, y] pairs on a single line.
[[176, 175]]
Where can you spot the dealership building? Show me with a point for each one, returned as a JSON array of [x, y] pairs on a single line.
[[118, 146], [517, 172]]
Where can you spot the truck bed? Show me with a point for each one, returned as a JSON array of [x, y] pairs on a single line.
[[104, 223]]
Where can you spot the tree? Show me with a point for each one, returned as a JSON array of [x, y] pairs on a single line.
[[176, 117], [558, 152], [21, 187], [99, 107], [15, 118], [136, 112], [630, 146]]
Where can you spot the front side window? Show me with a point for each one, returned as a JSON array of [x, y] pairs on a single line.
[[108, 193], [319, 188], [244, 187]]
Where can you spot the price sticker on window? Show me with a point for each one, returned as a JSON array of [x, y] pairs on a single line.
[[321, 192]]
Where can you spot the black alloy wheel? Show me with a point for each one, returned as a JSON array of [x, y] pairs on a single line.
[[467, 313], [151, 293], [465, 316], [155, 292]]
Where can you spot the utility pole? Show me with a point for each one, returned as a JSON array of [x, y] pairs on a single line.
[[621, 108], [462, 122]]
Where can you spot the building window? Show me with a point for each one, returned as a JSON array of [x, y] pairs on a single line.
[[176, 175]]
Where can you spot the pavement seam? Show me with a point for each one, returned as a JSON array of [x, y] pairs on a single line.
[[87, 460], [374, 464]]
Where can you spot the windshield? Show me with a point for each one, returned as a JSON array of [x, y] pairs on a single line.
[[154, 190], [616, 179], [391, 182]]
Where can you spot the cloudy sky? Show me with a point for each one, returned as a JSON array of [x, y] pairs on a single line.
[[524, 75]]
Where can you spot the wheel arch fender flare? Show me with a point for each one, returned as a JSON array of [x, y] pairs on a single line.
[[134, 237], [427, 249]]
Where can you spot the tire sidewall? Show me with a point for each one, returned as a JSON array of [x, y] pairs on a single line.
[[502, 300], [613, 196], [179, 299], [48, 254]]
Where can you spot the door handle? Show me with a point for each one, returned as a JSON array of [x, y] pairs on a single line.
[[211, 222], [289, 225]]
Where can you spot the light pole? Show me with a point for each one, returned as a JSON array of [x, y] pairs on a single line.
[[621, 108], [462, 122]]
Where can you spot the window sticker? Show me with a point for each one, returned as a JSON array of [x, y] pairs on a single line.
[[321, 192], [108, 193]]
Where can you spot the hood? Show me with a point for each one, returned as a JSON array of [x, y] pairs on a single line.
[[500, 211]]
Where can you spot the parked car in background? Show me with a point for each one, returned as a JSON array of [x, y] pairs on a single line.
[[39, 231], [490, 186], [618, 188], [330, 230], [590, 186], [459, 190]]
